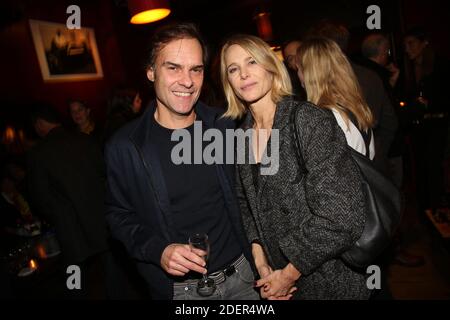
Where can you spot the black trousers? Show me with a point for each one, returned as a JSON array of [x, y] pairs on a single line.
[[429, 142]]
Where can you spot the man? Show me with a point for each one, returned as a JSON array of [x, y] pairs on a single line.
[[375, 48], [66, 177], [289, 51], [154, 206]]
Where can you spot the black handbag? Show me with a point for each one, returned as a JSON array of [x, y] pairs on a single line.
[[383, 206]]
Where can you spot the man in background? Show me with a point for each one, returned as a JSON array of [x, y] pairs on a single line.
[[376, 48], [289, 51], [66, 182]]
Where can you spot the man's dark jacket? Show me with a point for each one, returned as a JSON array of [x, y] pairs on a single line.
[[137, 201], [386, 122], [66, 177]]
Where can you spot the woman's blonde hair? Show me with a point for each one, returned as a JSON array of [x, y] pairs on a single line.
[[330, 82], [267, 59]]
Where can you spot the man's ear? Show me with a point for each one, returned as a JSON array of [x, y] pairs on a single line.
[[151, 74]]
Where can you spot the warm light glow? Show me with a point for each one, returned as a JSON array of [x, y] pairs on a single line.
[[33, 264], [264, 26], [21, 134], [277, 50], [41, 252], [9, 135], [150, 16], [402, 104]]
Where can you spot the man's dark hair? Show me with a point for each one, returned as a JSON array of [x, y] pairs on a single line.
[[418, 33], [172, 32], [287, 42], [331, 30], [45, 112], [122, 101], [80, 102]]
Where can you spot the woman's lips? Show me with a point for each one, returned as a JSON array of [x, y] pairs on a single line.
[[248, 86]]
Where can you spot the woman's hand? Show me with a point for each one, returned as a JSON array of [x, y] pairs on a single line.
[[260, 259], [279, 284], [264, 270]]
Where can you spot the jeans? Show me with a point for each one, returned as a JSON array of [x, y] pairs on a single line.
[[238, 286]]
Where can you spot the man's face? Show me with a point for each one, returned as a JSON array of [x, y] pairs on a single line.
[[289, 53], [384, 54], [178, 75], [414, 47], [79, 113]]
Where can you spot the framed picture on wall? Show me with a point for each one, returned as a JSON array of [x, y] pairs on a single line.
[[66, 54]]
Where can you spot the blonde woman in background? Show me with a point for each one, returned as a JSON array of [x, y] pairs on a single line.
[[330, 83]]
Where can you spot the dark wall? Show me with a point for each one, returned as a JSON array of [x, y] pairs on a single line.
[[434, 16], [21, 80], [122, 47]]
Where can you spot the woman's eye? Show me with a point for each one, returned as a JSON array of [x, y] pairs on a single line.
[[252, 62], [232, 70]]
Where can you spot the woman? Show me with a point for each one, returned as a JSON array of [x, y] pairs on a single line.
[[298, 223], [330, 83], [124, 106], [80, 114]]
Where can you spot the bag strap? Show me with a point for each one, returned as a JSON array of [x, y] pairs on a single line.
[[296, 139], [367, 136]]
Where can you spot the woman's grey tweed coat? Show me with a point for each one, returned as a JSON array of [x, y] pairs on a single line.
[[277, 214]]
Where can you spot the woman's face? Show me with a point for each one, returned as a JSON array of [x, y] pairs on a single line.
[[414, 47], [250, 81], [79, 113]]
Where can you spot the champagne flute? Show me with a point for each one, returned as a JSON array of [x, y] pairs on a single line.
[[205, 286]]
